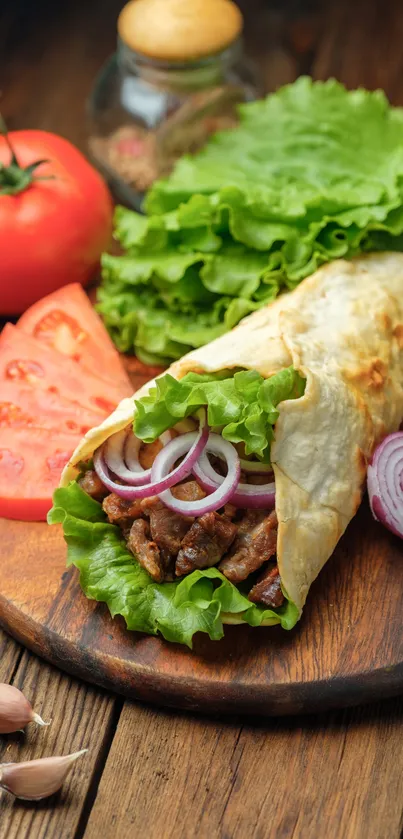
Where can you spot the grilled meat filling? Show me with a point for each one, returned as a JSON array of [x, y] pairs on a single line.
[[267, 591], [168, 545], [121, 512], [93, 485], [205, 543], [146, 552], [169, 528], [255, 543]]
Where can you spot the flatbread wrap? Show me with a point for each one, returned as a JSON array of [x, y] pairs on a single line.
[[302, 391]]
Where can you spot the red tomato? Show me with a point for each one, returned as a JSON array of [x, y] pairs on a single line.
[[31, 462], [54, 230], [25, 360], [24, 406], [66, 321], [53, 387]]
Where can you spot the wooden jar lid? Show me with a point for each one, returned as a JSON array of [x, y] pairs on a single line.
[[179, 30]]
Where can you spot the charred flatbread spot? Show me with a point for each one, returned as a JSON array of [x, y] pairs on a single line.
[[398, 334], [385, 321], [372, 375]]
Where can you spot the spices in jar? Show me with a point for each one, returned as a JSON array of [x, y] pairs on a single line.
[[167, 89]]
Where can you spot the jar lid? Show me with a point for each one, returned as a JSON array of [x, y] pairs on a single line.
[[179, 30]]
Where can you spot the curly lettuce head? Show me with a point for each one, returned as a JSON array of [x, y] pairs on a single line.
[[313, 173]]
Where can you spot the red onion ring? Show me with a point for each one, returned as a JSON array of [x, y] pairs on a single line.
[[130, 469], [114, 456], [190, 444], [385, 483], [260, 496], [131, 455], [221, 494], [121, 453]]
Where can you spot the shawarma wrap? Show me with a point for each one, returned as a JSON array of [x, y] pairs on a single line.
[[340, 333]]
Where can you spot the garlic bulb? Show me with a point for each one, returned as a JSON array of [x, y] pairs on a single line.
[[15, 710], [37, 779]]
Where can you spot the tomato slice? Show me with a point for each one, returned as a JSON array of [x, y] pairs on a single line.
[[31, 463], [26, 361], [67, 322], [24, 406], [59, 376]]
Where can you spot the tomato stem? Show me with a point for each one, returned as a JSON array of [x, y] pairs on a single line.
[[15, 178]]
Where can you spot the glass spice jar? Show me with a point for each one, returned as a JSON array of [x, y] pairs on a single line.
[[177, 77]]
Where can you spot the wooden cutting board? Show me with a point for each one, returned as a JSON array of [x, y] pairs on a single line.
[[348, 647]]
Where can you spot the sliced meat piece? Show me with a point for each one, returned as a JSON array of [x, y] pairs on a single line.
[[267, 590], [120, 511], [148, 452], [93, 485], [188, 491], [256, 542], [205, 543], [230, 511], [169, 528], [146, 551]]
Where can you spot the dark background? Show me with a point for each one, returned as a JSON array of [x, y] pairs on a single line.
[[50, 52]]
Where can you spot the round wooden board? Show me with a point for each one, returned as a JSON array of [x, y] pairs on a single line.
[[348, 647]]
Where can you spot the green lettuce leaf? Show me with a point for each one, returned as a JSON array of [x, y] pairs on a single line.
[[312, 173], [310, 147], [243, 405], [111, 575]]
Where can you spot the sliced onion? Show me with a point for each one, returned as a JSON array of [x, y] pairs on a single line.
[[385, 483], [256, 467], [166, 437], [114, 458], [131, 455], [191, 445], [121, 456], [132, 450], [221, 493], [260, 496]]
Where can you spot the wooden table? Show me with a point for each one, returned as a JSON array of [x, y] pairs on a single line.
[[151, 772]]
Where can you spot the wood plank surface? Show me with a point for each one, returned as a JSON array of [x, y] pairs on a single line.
[[10, 654], [337, 776], [176, 776], [81, 718]]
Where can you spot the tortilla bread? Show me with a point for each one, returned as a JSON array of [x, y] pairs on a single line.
[[342, 329]]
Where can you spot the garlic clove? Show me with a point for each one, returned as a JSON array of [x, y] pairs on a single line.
[[39, 721], [37, 779], [15, 710]]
